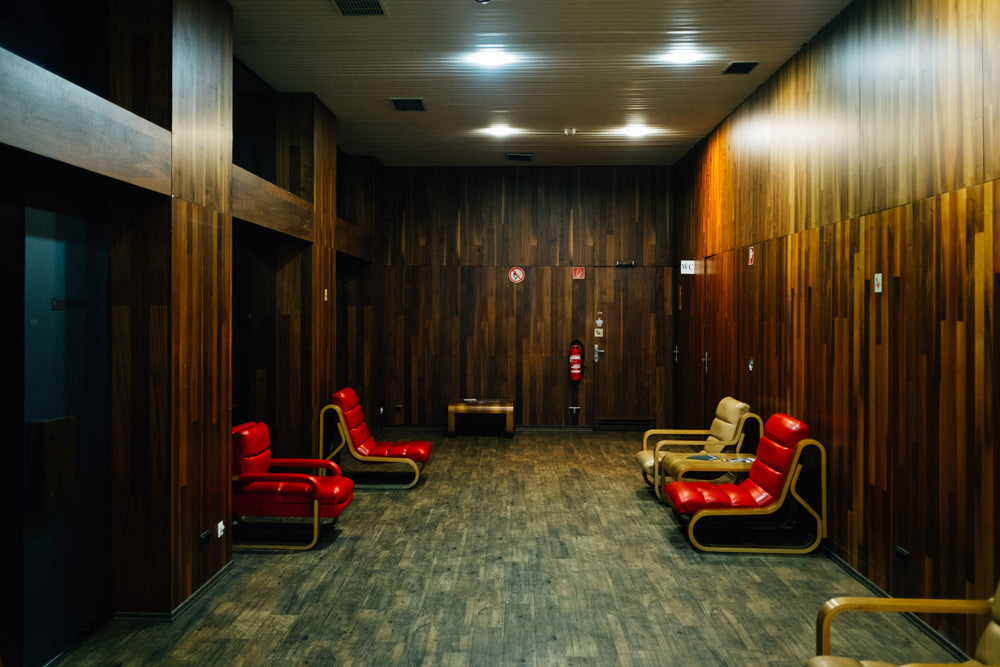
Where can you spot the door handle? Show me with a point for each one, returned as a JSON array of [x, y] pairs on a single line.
[[597, 351], [705, 361]]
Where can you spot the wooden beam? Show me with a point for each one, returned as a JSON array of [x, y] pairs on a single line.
[[264, 203], [44, 114]]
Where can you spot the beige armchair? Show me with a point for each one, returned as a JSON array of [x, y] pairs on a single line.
[[725, 434], [987, 649]]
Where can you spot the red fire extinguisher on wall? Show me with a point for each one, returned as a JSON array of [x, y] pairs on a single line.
[[575, 361]]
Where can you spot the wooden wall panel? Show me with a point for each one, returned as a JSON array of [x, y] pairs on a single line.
[[991, 90], [899, 384], [356, 337], [512, 340], [200, 395], [392, 338], [323, 295], [433, 342], [292, 352], [140, 424], [921, 100], [489, 331], [140, 58], [721, 342], [325, 340], [202, 136], [325, 173], [484, 234], [294, 136], [552, 311]]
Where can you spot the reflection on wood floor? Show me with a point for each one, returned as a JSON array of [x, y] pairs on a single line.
[[544, 549]]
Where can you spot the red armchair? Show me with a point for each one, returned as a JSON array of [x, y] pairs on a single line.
[[360, 443], [259, 491], [781, 502]]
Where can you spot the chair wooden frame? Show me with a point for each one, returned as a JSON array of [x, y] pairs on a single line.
[[835, 606], [284, 546], [323, 466], [762, 517], [345, 439], [659, 474]]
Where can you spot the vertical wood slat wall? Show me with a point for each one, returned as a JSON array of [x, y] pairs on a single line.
[[180, 472], [453, 325], [872, 151], [157, 156]]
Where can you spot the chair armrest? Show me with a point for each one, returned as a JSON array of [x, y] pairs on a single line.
[[829, 611], [672, 431], [281, 477], [322, 464], [669, 444]]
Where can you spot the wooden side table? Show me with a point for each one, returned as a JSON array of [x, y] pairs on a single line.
[[722, 463], [482, 406]]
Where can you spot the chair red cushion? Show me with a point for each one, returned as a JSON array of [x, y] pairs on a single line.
[[293, 499], [417, 450], [765, 482], [347, 400], [281, 493]]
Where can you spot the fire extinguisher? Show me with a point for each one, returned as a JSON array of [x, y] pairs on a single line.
[[575, 360]]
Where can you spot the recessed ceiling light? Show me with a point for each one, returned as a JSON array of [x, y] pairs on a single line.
[[492, 57], [635, 130], [683, 56], [500, 130]]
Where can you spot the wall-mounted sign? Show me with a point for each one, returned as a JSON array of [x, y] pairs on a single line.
[[750, 256], [687, 266], [579, 273], [516, 274]]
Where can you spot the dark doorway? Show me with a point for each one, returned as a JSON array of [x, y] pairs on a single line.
[[272, 289], [67, 535]]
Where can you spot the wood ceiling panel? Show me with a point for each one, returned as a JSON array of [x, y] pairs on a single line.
[[585, 64]]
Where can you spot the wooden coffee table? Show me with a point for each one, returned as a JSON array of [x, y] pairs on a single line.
[[722, 463], [494, 406]]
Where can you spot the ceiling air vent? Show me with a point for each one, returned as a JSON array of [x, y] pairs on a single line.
[[360, 7], [739, 68], [408, 104], [519, 157]]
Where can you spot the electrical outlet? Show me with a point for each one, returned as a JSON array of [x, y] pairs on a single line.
[[220, 529]]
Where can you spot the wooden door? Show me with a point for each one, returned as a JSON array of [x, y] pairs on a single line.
[[689, 385], [721, 356], [629, 347]]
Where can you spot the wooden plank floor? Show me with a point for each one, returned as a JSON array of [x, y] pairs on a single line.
[[544, 549]]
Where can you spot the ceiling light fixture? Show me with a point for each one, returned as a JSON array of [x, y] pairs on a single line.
[[491, 57], [682, 56], [637, 130], [501, 130]]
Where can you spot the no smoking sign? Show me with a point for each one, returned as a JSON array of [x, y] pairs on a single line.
[[516, 274]]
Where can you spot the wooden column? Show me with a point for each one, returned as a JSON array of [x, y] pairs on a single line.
[[170, 293]]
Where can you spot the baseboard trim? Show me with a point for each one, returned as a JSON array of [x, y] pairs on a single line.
[[942, 641], [168, 616]]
